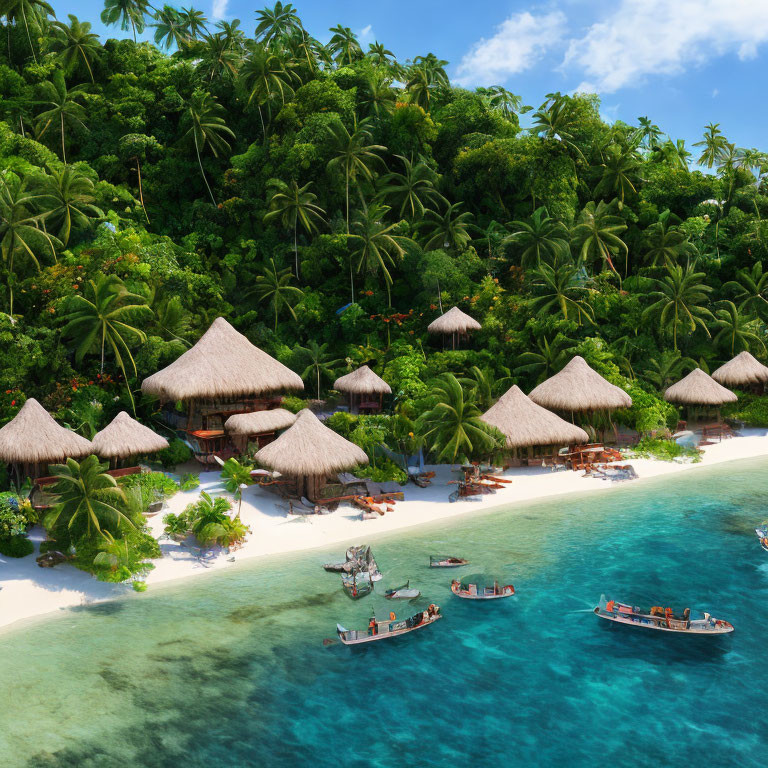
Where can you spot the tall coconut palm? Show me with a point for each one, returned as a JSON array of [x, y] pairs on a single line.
[[647, 134], [750, 288], [74, 43], [379, 97], [714, 146], [170, 28], [292, 205], [277, 22], [560, 291], [379, 54], [193, 22], [70, 201], [505, 102], [551, 357], [344, 45], [412, 190], [540, 238], [374, 244], [665, 243], [206, 129], [130, 14], [451, 428], [667, 368], [22, 216], [274, 287], [737, 331], [26, 12], [353, 155], [554, 120], [620, 173], [596, 235], [63, 108], [681, 301], [87, 499], [218, 56], [450, 229], [320, 363]]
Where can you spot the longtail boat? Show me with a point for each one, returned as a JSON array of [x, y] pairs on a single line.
[[402, 593], [357, 584], [663, 619], [441, 561], [762, 535], [472, 588], [383, 630]]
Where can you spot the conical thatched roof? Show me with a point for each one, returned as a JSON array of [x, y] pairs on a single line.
[[259, 422], [309, 448], [698, 388], [524, 423], [124, 436], [363, 381], [454, 321], [579, 388], [33, 437], [223, 363], [742, 371]]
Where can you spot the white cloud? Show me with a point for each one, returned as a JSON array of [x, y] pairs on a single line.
[[219, 9], [519, 42], [651, 37], [365, 35]]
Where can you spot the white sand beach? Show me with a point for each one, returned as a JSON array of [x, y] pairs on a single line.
[[26, 590]]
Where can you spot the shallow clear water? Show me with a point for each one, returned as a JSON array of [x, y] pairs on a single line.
[[230, 668]]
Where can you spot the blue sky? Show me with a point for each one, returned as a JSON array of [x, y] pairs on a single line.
[[683, 63]]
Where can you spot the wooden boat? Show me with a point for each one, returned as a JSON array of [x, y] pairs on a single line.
[[402, 593], [357, 584], [471, 589], [762, 535], [367, 504], [662, 619], [440, 561], [384, 630]]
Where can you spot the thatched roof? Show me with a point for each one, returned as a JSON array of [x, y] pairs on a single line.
[[579, 388], [309, 448], [454, 321], [259, 422], [223, 363], [33, 437], [524, 423], [742, 371], [363, 381], [699, 388], [124, 436]]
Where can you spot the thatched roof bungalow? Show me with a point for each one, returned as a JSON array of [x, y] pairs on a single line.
[[33, 439], [743, 371], [366, 389], [310, 452], [124, 437], [698, 388], [259, 422], [578, 389], [223, 364], [526, 424], [454, 323]]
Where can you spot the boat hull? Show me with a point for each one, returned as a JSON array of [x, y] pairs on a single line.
[[368, 639], [467, 596], [724, 628]]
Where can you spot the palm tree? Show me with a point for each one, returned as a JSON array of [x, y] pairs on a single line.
[[86, 495], [751, 288], [236, 476], [25, 12], [293, 205], [379, 54], [375, 245], [552, 355], [596, 234], [485, 387], [561, 291], [109, 317], [451, 428], [673, 154], [63, 107], [412, 189], [542, 239], [378, 97], [554, 120], [507, 103], [667, 368], [75, 43], [665, 243], [714, 146], [320, 363], [647, 134], [448, 230], [737, 332], [273, 286], [344, 45], [21, 225], [129, 13], [206, 128], [620, 173], [69, 200], [170, 29], [353, 155], [217, 56], [193, 22], [680, 301], [279, 22]]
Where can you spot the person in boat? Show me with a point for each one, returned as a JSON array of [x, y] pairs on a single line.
[[372, 625]]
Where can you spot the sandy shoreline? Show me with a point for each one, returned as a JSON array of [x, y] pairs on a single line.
[[28, 591]]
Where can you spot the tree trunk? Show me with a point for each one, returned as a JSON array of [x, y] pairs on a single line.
[[200, 163], [295, 249], [26, 26], [141, 192], [63, 151]]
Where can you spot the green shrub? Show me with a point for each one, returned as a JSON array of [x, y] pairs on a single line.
[[664, 450], [208, 520], [293, 404], [116, 560], [16, 546], [177, 525], [154, 486], [189, 482], [386, 470], [178, 452], [751, 409], [342, 422]]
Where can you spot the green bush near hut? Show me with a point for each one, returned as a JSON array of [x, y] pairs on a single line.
[[751, 409], [189, 481], [16, 515], [664, 450], [207, 520], [153, 486], [177, 452], [384, 471]]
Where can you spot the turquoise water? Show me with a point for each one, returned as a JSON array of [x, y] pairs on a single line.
[[230, 669]]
